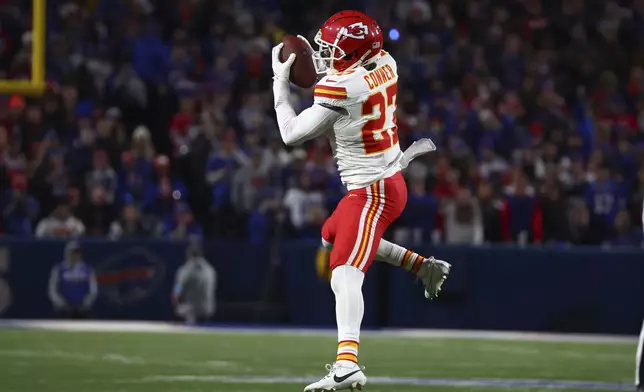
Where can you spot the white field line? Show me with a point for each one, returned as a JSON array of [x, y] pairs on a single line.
[[113, 358], [159, 327], [498, 384]]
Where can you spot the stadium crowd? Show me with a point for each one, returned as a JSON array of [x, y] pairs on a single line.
[[158, 121]]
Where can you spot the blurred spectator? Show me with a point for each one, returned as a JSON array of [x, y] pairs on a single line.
[[533, 107], [195, 285], [521, 217], [57, 177], [580, 230], [624, 234], [419, 216], [130, 224], [19, 209], [137, 182], [221, 167], [183, 225], [463, 220], [248, 181], [102, 175], [72, 285], [604, 199], [320, 166], [575, 180], [222, 164], [492, 167], [267, 218], [275, 156], [305, 206], [98, 213], [110, 136], [81, 155], [491, 208], [181, 129], [61, 223], [164, 204], [554, 211]]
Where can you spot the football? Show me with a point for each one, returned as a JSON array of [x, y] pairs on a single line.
[[302, 71]]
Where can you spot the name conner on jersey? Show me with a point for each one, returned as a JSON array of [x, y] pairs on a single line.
[[356, 110]]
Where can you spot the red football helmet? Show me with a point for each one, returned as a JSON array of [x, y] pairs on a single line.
[[347, 40]]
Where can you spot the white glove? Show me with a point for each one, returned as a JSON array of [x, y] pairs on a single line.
[[281, 70]]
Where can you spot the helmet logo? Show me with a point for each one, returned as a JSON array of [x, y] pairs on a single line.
[[357, 30]]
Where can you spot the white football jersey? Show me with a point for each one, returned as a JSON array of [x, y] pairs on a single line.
[[365, 139]]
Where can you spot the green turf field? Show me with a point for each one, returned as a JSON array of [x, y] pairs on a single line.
[[53, 361]]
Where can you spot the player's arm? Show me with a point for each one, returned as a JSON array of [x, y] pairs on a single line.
[[312, 122], [179, 283], [54, 293], [93, 291]]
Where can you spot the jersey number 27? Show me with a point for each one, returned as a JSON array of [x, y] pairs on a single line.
[[377, 136]]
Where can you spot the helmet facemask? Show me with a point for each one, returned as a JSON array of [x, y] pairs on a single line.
[[329, 53], [326, 54]]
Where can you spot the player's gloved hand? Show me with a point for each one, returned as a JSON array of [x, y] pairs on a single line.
[[281, 70]]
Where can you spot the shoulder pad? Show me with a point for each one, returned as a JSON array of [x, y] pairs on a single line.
[[341, 88]]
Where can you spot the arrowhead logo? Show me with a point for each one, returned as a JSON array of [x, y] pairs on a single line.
[[357, 30]]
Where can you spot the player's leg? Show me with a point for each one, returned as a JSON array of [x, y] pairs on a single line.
[[361, 219], [431, 271], [639, 365], [349, 230], [346, 283], [345, 229], [353, 254]]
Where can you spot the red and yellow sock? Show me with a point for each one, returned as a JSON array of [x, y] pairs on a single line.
[[412, 261], [348, 351]]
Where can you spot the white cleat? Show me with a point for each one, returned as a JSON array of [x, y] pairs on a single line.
[[340, 377], [433, 274]]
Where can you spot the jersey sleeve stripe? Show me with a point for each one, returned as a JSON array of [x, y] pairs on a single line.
[[323, 92], [338, 89], [329, 96]]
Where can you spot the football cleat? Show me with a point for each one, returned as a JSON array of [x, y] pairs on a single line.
[[341, 377], [433, 273]]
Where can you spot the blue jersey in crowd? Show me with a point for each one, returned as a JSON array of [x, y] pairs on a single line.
[[604, 199], [73, 283]]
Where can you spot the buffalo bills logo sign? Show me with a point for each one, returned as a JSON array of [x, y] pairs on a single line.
[[131, 276], [357, 30]]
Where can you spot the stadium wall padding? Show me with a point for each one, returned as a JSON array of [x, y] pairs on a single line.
[[584, 290]]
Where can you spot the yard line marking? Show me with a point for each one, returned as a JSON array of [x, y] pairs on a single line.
[[160, 327], [112, 357], [403, 381]]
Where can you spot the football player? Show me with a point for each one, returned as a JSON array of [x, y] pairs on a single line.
[[355, 107]]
